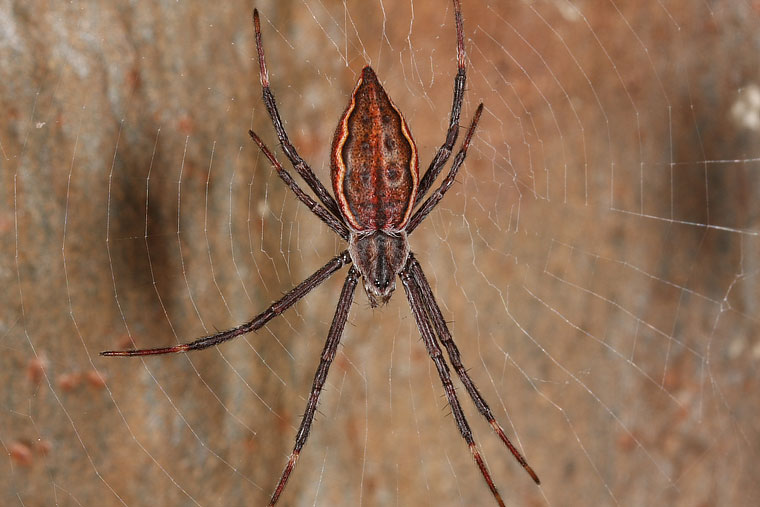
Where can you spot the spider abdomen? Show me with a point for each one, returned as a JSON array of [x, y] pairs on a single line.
[[374, 163]]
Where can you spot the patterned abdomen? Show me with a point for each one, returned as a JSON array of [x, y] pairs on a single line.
[[374, 160]]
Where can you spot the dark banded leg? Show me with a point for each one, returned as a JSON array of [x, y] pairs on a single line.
[[328, 354], [333, 223], [299, 164], [436, 196], [444, 152], [436, 317], [423, 324], [256, 323]]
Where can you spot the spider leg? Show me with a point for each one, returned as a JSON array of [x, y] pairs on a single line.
[[333, 223], [299, 164], [435, 315], [432, 201], [328, 354], [416, 302], [444, 152], [256, 323]]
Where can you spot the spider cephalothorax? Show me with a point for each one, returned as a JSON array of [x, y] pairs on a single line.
[[378, 203], [379, 257]]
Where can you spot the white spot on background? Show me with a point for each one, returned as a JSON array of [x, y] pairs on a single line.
[[568, 10], [8, 33], [746, 109]]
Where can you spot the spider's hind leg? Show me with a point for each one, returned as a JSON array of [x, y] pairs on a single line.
[[444, 152], [299, 164], [432, 201], [323, 214]]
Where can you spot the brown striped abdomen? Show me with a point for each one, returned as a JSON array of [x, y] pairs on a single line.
[[374, 160]]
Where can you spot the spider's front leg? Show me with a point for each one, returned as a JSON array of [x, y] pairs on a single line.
[[275, 309], [328, 354], [417, 304], [439, 323]]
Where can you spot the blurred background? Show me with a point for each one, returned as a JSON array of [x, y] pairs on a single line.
[[597, 258]]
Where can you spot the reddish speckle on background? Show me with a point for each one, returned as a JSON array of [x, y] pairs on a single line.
[[21, 454], [95, 379], [35, 369]]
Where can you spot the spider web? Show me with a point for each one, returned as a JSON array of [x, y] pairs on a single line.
[[597, 257]]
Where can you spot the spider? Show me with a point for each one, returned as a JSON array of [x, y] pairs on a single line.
[[378, 203]]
